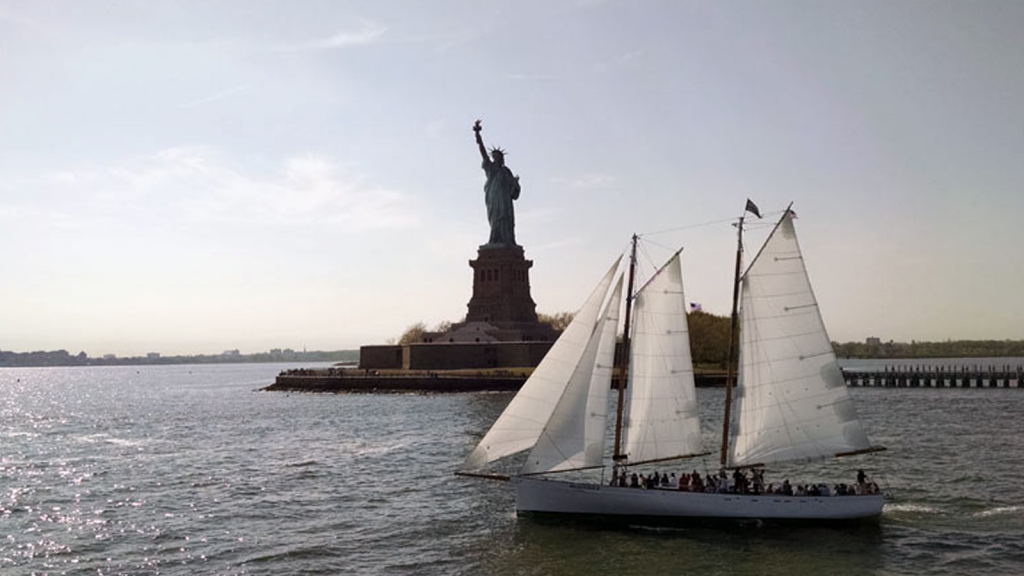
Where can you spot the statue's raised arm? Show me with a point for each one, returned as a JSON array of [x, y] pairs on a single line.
[[480, 141]]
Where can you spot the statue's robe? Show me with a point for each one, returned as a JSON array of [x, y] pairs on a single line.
[[500, 190]]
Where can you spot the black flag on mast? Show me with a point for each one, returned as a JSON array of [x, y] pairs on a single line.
[[752, 208]]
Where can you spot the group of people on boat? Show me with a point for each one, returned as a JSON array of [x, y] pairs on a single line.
[[739, 483]]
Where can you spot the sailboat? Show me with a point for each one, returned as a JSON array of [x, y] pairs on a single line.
[[790, 403]]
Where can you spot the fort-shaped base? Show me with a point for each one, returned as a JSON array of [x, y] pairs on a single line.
[[501, 287]]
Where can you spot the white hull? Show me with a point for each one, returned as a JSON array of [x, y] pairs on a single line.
[[555, 497]]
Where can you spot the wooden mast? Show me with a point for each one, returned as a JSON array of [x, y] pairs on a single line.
[[624, 361], [730, 373]]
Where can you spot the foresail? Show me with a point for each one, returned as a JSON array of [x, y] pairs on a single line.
[[791, 402], [662, 419], [574, 436], [520, 425]]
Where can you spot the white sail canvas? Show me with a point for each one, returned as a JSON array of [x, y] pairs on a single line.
[[520, 425], [662, 419], [574, 436], [791, 402]]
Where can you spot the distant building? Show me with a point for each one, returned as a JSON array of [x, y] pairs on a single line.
[[231, 353], [152, 355], [872, 341], [110, 357]]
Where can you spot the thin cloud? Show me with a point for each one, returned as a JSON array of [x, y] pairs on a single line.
[[526, 77], [460, 38], [626, 59], [586, 181], [6, 16], [368, 33], [435, 129], [214, 97], [196, 184]]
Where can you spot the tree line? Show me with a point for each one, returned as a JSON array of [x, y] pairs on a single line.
[[948, 349], [709, 342]]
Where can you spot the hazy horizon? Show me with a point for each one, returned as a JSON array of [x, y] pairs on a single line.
[[189, 177]]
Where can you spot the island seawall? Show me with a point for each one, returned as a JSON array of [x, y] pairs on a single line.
[[337, 380]]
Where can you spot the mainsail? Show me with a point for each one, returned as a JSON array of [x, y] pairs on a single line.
[[574, 436], [791, 402], [662, 419], [521, 424]]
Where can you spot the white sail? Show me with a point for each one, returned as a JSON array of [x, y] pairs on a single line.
[[791, 402], [662, 419], [574, 436], [520, 425]]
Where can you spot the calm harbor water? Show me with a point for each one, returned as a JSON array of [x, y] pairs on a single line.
[[190, 470]]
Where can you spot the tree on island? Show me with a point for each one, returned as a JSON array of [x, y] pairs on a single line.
[[412, 334], [558, 321]]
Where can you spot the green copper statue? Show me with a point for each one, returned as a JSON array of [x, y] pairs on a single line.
[[501, 188]]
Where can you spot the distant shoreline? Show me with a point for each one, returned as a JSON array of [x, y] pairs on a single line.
[[61, 358]]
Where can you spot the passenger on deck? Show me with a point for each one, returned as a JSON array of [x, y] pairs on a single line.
[[786, 489], [634, 481], [757, 481], [673, 482], [664, 480]]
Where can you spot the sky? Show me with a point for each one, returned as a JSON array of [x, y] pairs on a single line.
[[189, 177]]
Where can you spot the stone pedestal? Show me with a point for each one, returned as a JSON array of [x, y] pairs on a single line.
[[501, 287], [501, 309]]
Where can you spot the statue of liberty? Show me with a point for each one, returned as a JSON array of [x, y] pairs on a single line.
[[501, 188]]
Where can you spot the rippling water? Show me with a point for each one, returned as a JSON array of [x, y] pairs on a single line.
[[188, 469]]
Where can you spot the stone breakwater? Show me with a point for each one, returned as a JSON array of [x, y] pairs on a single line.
[[332, 380], [337, 380]]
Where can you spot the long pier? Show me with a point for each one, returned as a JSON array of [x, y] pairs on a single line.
[[1005, 376]]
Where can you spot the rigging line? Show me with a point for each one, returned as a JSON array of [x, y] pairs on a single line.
[[667, 230], [658, 244], [650, 261], [709, 223]]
